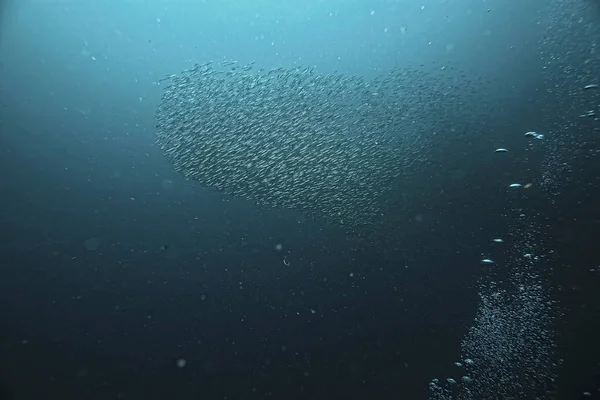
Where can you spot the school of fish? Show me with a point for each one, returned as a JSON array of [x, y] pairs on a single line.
[[332, 146]]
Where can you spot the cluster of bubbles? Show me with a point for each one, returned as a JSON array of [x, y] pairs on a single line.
[[510, 348], [332, 146], [511, 345], [571, 87]]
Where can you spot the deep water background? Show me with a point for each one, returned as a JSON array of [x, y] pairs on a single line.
[[184, 273]]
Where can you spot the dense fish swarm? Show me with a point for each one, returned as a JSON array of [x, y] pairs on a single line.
[[332, 146]]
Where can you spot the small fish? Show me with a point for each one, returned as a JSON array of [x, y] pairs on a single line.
[[592, 86], [590, 113], [515, 185], [501, 150], [534, 135], [498, 240], [487, 261], [458, 364]]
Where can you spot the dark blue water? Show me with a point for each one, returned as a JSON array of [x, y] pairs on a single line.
[[121, 280]]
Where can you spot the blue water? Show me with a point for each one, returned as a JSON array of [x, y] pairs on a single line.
[[121, 280]]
